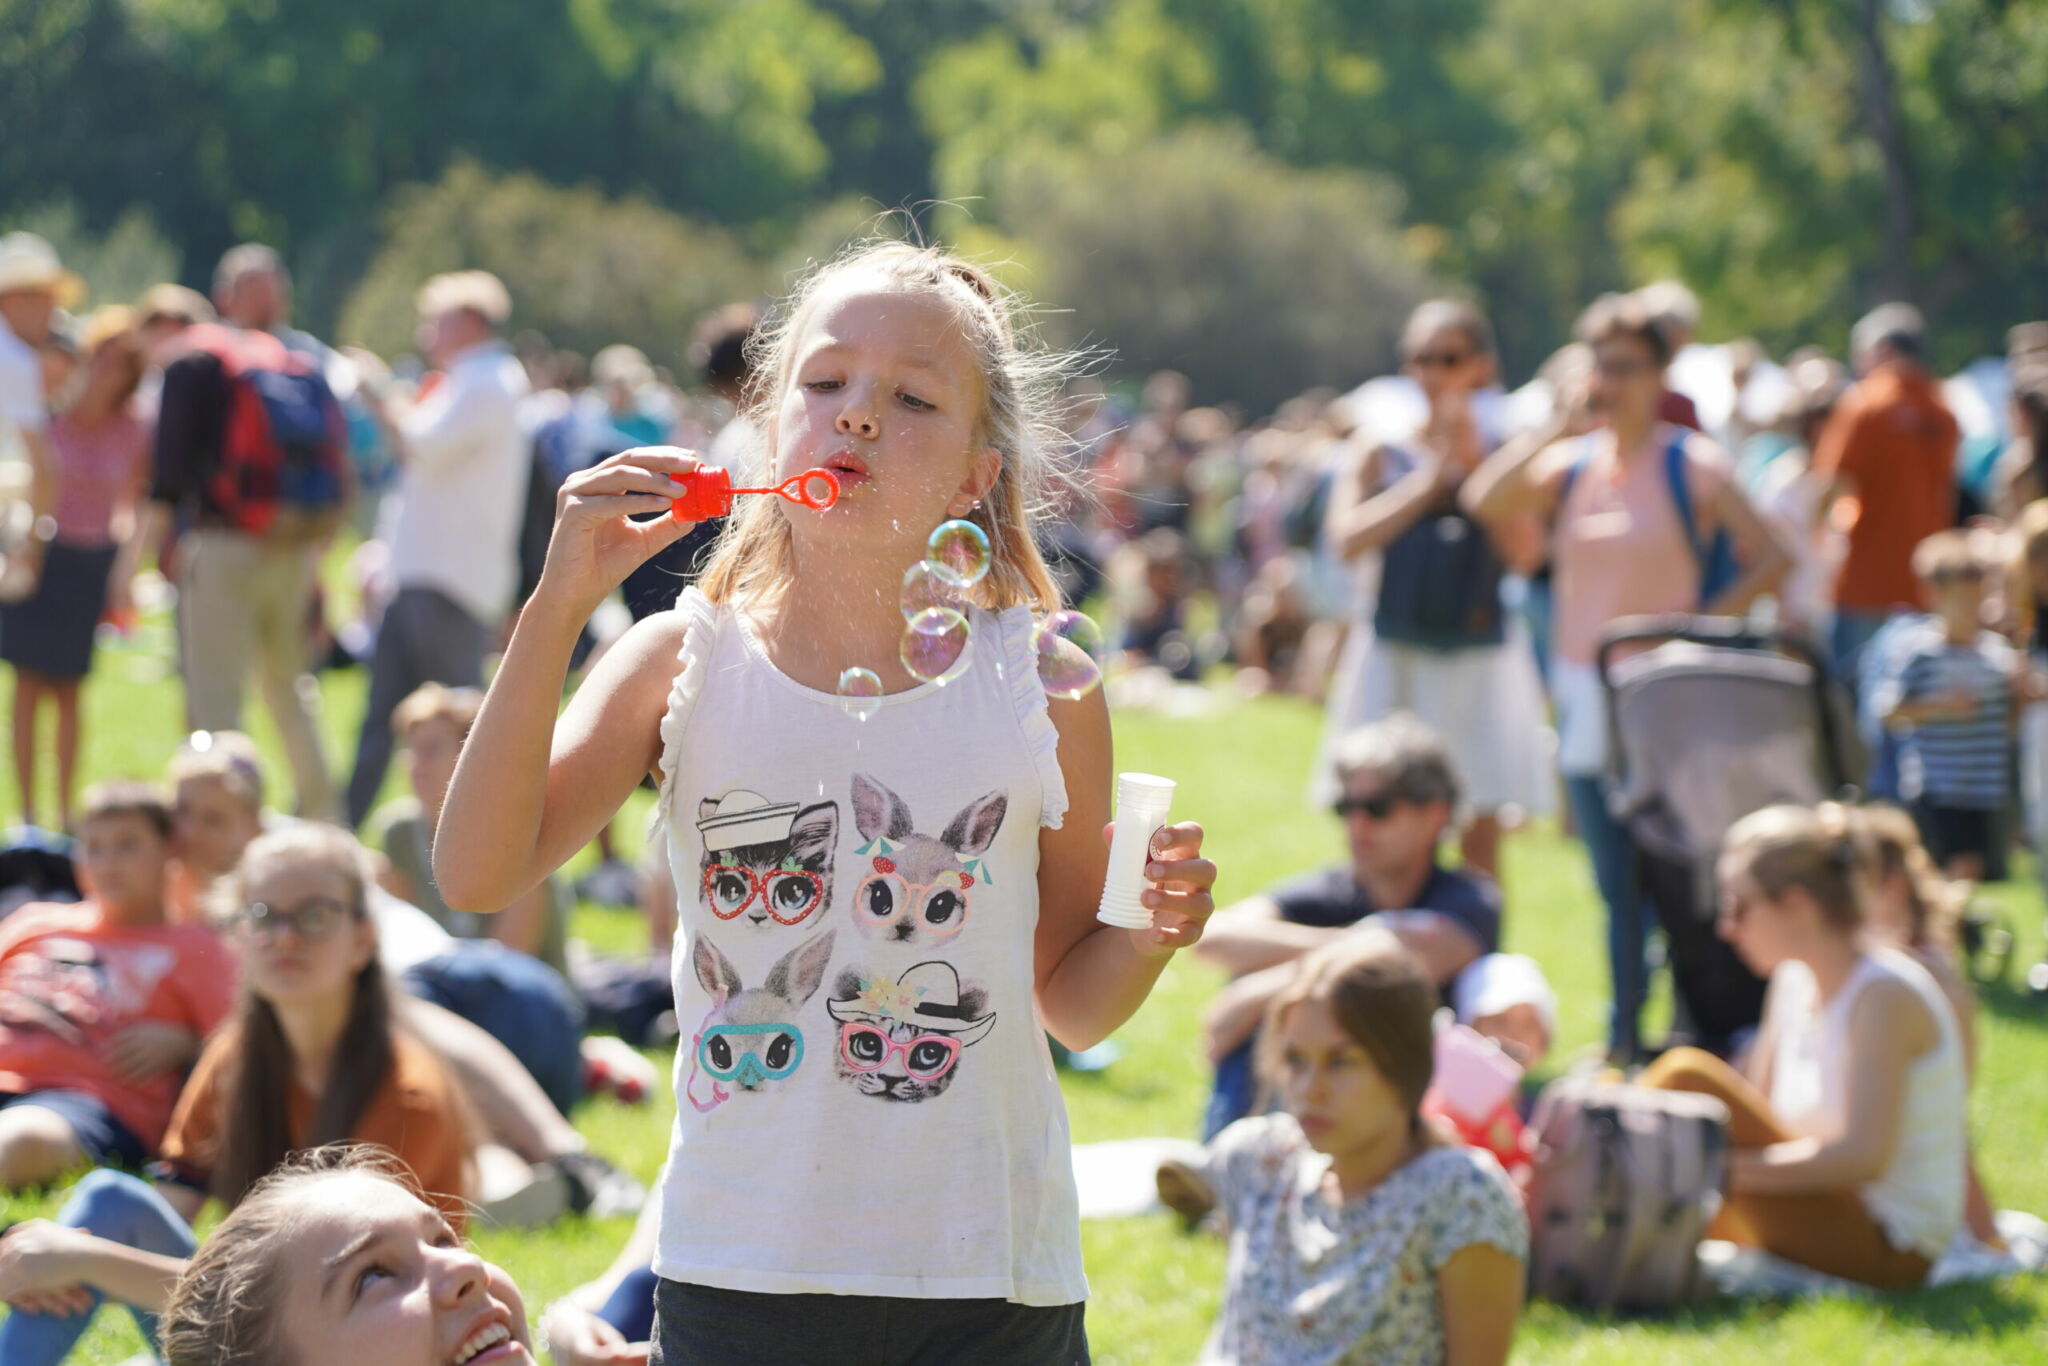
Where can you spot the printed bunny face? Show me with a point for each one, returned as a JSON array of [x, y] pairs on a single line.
[[750, 1037], [915, 888]]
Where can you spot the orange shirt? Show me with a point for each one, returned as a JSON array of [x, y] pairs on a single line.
[[1894, 437], [70, 980], [416, 1114]]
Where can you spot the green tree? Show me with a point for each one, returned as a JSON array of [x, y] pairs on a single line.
[[584, 269], [1198, 252]]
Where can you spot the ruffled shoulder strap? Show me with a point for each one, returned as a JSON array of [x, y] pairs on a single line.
[[701, 621], [1028, 700]]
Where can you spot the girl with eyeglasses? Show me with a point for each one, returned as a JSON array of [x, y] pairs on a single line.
[[311, 1057], [1849, 1115]]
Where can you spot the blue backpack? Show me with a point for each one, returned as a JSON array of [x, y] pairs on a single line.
[[1716, 553]]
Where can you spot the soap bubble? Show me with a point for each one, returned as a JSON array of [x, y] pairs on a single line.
[[937, 657], [1069, 648], [931, 601], [860, 692], [959, 552]]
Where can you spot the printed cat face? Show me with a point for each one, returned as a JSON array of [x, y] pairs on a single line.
[[902, 1040], [775, 882], [750, 1037], [921, 889]]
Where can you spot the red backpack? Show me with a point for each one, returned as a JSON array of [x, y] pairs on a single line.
[[283, 471]]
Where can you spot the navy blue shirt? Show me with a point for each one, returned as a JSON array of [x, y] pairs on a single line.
[[1332, 899]]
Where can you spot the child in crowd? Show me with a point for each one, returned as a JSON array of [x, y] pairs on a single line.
[[102, 1003], [312, 1056], [1357, 1232], [431, 725], [506, 1025], [880, 916], [101, 472], [1849, 1120], [1949, 696], [416, 1295]]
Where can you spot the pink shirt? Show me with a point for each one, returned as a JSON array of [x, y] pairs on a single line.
[[96, 468], [1619, 547]]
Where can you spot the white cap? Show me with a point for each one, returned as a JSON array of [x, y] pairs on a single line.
[[1499, 980], [29, 262]]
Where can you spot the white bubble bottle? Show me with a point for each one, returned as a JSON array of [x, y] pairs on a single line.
[[1141, 805]]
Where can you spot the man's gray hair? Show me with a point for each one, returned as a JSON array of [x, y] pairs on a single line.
[[251, 258], [1406, 754], [1902, 327]]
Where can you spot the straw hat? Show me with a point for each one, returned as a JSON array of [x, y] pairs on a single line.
[[28, 262]]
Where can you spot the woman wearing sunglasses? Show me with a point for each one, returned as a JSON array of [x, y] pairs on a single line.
[[1436, 642], [311, 1057]]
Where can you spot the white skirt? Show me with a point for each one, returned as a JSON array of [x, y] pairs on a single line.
[[1485, 702]]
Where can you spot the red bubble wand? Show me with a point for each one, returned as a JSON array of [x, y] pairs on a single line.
[[708, 492]]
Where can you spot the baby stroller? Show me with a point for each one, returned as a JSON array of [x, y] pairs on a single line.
[[1719, 719]]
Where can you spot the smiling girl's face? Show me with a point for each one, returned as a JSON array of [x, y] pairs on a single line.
[[377, 1276], [884, 391]]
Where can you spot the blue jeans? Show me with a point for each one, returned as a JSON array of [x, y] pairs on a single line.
[[121, 1209], [1235, 1090], [1629, 915], [631, 1306], [518, 1000]]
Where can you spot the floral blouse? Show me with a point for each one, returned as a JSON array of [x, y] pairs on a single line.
[[1314, 1282]]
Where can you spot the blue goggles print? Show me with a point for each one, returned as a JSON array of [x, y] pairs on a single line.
[[751, 1054]]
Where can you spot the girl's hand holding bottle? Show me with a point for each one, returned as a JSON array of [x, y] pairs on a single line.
[[595, 542], [1178, 887]]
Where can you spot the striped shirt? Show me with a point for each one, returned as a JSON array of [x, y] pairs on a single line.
[[1963, 762]]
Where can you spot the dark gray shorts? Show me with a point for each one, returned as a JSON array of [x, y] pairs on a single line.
[[697, 1325]]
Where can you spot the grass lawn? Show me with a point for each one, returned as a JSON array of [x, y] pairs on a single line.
[[1242, 771]]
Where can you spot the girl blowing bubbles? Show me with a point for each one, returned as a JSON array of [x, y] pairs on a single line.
[[878, 917]]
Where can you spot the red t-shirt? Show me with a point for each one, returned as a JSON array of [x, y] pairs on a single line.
[[70, 980]]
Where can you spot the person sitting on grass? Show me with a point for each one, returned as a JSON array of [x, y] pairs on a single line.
[[1399, 797], [1357, 1230], [610, 1321], [334, 1259], [312, 1056], [430, 725], [1914, 909], [1849, 1116], [102, 1003], [217, 780]]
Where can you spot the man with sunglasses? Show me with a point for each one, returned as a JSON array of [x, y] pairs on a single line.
[[1398, 797]]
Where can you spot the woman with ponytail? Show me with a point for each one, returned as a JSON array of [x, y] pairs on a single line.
[[1357, 1231], [1848, 1117], [310, 1058]]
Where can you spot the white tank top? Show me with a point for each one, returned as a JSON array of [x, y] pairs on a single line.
[[1918, 1201], [865, 1101]]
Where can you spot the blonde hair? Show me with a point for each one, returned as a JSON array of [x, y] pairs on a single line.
[[437, 702], [1817, 849], [226, 756], [1382, 999], [1946, 553], [1934, 903], [1020, 385]]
